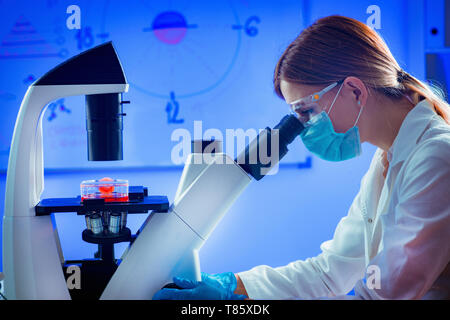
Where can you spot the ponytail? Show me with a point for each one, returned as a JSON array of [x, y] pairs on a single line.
[[419, 90]]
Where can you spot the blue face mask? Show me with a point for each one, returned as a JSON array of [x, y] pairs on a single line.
[[321, 139]]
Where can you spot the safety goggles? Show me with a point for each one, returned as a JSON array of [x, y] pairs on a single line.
[[307, 107]]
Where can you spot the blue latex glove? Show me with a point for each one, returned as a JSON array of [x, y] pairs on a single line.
[[219, 286]]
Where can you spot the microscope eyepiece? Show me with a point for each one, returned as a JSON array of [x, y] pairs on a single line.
[[287, 130]]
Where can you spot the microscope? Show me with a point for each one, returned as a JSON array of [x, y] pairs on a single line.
[[168, 242]]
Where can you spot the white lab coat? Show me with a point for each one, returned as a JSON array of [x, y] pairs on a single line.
[[400, 225]]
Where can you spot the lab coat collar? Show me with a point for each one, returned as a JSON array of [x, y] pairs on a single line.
[[410, 131]]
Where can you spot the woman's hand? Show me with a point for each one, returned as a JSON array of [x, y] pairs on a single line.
[[222, 286]]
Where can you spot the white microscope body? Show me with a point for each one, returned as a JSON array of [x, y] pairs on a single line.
[[31, 253], [168, 242]]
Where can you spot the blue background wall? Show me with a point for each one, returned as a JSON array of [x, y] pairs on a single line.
[[216, 68]]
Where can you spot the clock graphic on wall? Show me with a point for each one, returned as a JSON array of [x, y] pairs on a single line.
[[171, 50], [181, 45]]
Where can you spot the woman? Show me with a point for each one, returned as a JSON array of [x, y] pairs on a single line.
[[347, 88]]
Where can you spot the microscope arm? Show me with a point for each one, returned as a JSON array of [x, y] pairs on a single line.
[[31, 262]]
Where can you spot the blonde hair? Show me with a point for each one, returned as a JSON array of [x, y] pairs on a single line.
[[336, 47]]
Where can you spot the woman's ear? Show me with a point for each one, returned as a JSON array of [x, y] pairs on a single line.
[[358, 90]]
